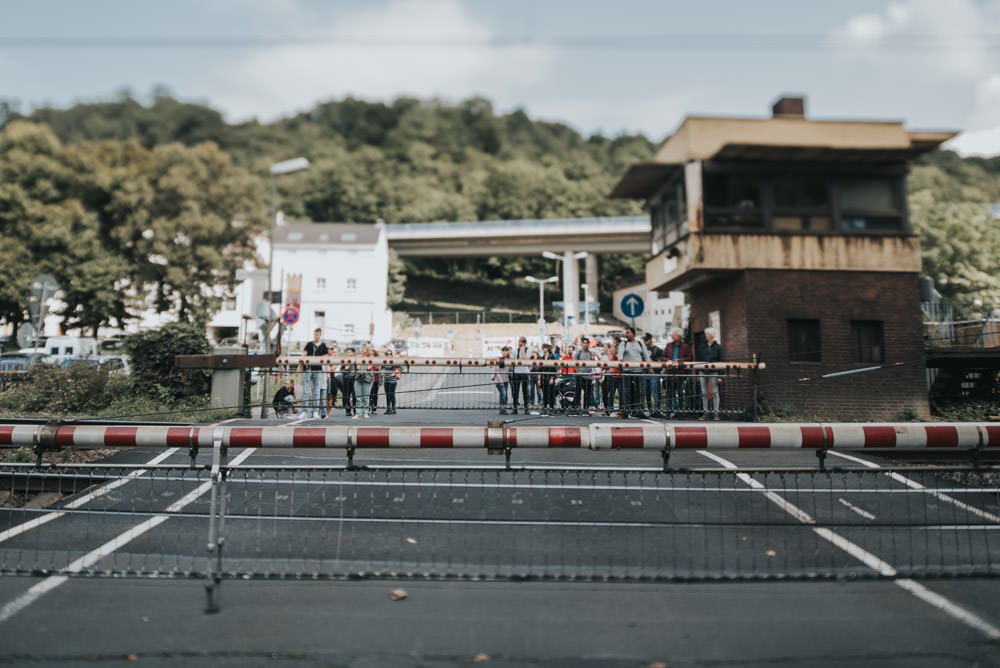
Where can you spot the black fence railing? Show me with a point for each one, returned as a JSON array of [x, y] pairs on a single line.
[[677, 394], [329, 522]]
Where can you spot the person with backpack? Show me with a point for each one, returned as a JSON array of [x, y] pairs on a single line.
[[631, 350]]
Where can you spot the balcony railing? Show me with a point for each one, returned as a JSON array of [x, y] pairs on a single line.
[[941, 330]]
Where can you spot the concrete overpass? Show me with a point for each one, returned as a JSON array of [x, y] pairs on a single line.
[[628, 234], [565, 236]]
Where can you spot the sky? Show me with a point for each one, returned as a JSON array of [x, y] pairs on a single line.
[[597, 65]]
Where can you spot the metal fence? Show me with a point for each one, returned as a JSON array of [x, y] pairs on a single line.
[[331, 522], [679, 394]]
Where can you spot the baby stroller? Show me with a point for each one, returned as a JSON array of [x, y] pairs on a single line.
[[566, 394]]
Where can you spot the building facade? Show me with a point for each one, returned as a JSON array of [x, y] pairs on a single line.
[[344, 272], [792, 238]]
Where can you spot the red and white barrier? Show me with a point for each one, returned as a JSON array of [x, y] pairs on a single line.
[[601, 435], [491, 362]]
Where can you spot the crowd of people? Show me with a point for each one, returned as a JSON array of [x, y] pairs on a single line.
[[526, 386], [357, 385], [523, 384]]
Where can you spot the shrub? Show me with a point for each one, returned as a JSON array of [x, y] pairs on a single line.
[[153, 353]]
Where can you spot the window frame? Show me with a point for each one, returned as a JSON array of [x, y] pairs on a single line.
[[831, 175], [817, 352], [858, 355]]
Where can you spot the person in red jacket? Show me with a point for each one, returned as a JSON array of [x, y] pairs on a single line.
[[678, 352]]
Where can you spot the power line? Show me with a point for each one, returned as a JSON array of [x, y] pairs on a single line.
[[720, 42]]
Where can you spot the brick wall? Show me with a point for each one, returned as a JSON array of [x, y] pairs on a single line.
[[756, 307]]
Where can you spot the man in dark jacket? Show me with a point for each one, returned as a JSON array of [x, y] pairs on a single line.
[[652, 396], [677, 351]]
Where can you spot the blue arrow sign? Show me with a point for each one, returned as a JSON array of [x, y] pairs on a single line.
[[632, 305]]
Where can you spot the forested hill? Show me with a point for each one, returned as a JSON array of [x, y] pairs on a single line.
[[413, 160], [406, 161]]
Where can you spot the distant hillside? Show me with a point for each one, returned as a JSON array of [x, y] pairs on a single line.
[[412, 160]]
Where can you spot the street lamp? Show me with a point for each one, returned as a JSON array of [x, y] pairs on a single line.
[[541, 296], [278, 168], [571, 284]]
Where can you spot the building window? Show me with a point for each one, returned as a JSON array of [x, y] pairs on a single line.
[[321, 283], [229, 304], [868, 341], [352, 284], [732, 202], [801, 204], [804, 340], [349, 328], [870, 204], [668, 217]]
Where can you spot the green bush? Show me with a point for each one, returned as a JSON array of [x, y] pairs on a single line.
[[50, 390], [152, 354]]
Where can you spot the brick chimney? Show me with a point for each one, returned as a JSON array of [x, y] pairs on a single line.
[[789, 107]]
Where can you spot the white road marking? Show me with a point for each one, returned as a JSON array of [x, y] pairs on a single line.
[[913, 484], [91, 558], [860, 511], [76, 503], [872, 561]]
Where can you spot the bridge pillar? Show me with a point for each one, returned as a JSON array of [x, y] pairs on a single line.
[[571, 293], [590, 265]]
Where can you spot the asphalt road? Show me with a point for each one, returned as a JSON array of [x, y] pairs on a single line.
[[574, 516]]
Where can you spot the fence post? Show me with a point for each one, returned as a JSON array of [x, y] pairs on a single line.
[[216, 522]]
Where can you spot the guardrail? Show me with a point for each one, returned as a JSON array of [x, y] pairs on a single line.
[[500, 437]]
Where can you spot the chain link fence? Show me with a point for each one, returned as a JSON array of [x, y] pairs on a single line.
[[329, 522]]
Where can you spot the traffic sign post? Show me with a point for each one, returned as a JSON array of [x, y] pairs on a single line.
[[632, 306]]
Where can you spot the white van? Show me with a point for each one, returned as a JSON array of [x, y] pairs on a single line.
[[61, 348]]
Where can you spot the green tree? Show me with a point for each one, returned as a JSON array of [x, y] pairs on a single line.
[[397, 279], [152, 353], [960, 248]]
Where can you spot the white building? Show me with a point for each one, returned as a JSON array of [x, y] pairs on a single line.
[[345, 274], [660, 313]]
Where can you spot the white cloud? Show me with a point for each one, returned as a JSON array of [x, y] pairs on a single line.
[[986, 112], [950, 39], [407, 47], [985, 143]]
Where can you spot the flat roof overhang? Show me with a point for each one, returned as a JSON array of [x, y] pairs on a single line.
[[816, 154], [643, 179]]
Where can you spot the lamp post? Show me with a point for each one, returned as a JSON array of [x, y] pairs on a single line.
[[586, 310], [541, 295], [571, 285], [278, 168]]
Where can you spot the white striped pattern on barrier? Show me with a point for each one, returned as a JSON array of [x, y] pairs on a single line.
[[601, 435], [492, 362]]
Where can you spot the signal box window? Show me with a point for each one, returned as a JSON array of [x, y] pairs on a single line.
[[870, 204], [801, 205], [732, 201], [804, 340], [868, 341]]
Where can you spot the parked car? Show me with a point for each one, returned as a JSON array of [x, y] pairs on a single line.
[[19, 361], [115, 364]]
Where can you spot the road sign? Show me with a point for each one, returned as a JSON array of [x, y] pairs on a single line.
[[632, 305], [290, 315]]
